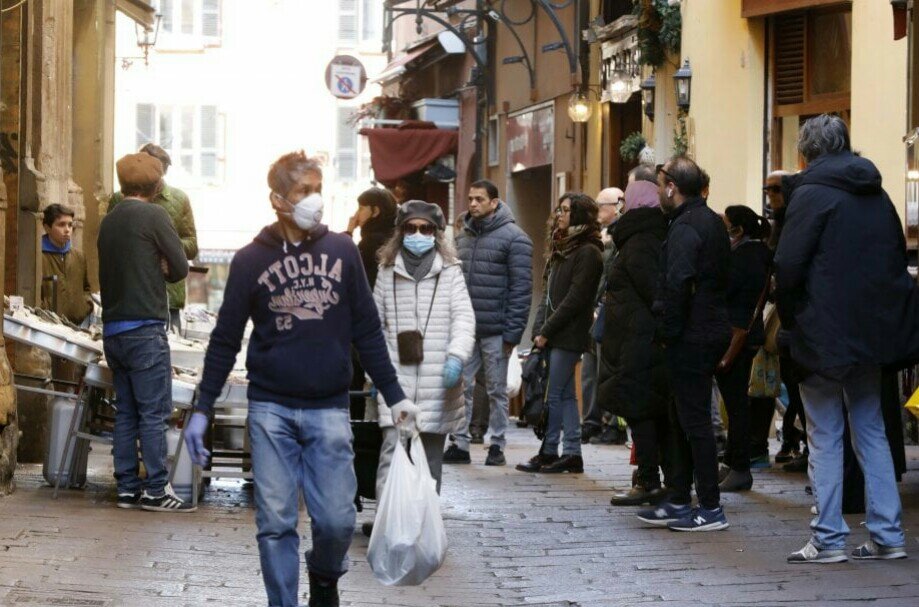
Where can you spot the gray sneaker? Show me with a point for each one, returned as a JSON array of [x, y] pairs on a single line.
[[495, 456], [813, 554], [872, 550]]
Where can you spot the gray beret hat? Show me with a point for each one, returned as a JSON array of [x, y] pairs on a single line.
[[419, 209]]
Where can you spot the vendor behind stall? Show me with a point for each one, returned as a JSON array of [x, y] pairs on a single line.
[[139, 251], [65, 286]]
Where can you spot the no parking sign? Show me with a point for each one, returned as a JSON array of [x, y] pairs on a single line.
[[345, 77]]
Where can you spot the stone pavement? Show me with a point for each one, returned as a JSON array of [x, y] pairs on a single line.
[[515, 539]]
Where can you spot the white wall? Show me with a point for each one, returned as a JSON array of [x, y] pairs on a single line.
[[268, 79]]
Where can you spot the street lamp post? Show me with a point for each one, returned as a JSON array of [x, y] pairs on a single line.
[[683, 80], [647, 95]]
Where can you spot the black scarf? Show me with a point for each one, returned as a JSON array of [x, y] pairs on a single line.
[[418, 266]]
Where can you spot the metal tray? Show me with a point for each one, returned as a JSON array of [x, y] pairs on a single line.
[[32, 334]]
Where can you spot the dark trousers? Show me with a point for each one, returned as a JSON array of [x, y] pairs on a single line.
[[791, 436], [734, 384], [652, 437], [695, 454], [480, 408], [762, 410]]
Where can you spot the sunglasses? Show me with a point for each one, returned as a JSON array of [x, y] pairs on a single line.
[[774, 189], [659, 170], [563, 210], [426, 229]]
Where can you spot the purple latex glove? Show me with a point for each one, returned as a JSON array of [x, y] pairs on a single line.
[[194, 438]]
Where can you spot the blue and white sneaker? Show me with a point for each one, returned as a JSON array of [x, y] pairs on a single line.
[[701, 519], [812, 554], [663, 514], [872, 550]]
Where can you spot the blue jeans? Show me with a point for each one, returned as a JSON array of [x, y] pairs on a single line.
[[563, 404], [308, 450], [142, 376], [824, 400], [488, 352]]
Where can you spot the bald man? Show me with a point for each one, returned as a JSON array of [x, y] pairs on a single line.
[[610, 201]]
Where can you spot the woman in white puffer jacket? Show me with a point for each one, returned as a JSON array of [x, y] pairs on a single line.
[[420, 287]]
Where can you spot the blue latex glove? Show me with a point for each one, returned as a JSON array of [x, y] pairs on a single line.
[[194, 438], [453, 370]]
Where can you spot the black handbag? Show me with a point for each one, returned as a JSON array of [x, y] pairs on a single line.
[[536, 383]]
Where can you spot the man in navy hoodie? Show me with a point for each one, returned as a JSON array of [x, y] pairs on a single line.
[[306, 292]]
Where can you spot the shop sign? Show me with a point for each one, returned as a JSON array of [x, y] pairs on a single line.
[[530, 138]]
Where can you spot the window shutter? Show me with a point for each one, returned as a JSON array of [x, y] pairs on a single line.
[[790, 47], [166, 10], [346, 145], [209, 126], [145, 114], [347, 22], [188, 17], [210, 18]]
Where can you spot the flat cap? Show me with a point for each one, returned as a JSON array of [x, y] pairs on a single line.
[[139, 170]]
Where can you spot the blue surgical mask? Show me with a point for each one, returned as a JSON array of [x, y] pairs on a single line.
[[418, 244]]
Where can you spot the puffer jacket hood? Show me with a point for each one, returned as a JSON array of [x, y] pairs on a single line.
[[844, 171], [638, 221], [478, 227]]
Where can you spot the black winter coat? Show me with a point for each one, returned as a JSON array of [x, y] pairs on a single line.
[[633, 381], [373, 236], [695, 261], [497, 261], [842, 287], [750, 263], [566, 313]]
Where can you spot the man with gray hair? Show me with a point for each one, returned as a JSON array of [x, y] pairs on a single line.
[[841, 276]]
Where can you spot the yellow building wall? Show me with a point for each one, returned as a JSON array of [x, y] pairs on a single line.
[[725, 123], [879, 109]]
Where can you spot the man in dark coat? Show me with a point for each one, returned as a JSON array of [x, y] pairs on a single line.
[[497, 261], [842, 290], [695, 331]]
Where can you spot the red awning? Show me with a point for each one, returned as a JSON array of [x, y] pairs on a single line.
[[397, 153], [900, 18], [397, 66]]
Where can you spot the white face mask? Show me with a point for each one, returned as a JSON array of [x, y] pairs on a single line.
[[308, 212]]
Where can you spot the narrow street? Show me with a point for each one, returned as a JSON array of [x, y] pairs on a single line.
[[515, 539]]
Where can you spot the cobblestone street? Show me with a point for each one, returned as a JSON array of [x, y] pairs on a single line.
[[515, 539]]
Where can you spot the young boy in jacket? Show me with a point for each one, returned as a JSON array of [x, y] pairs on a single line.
[[306, 292], [65, 286]]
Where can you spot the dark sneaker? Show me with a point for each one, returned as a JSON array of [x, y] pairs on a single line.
[[760, 462], [535, 463], [787, 454], [701, 519], [455, 455], [477, 439], [723, 472], [638, 496], [168, 502], [566, 463], [323, 592], [812, 554], [367, 528], [871, 550], [736, 481], [588, 431], [521, 423], [129, 500], [495, 457], [609, 436], [798, 464], [664, 514]]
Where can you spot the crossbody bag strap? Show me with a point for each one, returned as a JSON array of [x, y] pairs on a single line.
[[395, 298]]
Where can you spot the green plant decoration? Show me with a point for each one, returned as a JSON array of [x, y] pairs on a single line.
[[632, 146], [680, 138], [660, 28]]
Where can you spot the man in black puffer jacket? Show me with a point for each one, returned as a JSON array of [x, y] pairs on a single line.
[[497, 261], [695, 331]]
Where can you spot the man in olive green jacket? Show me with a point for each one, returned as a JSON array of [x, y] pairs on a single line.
[[176, 203]]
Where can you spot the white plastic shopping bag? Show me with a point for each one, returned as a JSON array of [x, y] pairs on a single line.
[[514, 374], [409, 541]]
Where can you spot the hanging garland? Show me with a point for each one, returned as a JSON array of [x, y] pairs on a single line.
[[660, 27]]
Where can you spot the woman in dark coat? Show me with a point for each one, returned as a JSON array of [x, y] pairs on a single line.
[[751, 259], [563, 323], [634, 383], [376, 216]]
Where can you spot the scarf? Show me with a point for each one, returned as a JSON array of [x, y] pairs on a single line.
[[564, 242], [418, 266], [47, 246]]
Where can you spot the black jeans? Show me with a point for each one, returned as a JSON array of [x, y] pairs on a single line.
[[652, 440], [762, 410], [695, 454], [791, 436], [734, 385]]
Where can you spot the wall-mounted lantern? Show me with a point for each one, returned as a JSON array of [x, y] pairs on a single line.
[[683, 80]]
